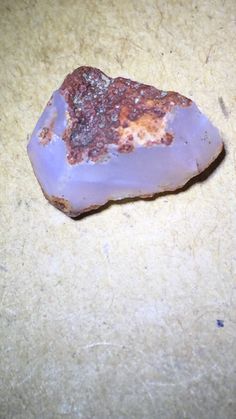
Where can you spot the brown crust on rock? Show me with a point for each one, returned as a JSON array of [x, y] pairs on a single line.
[[60, 203], [63, 205], [103, 111], [46, 133], [45, 136]]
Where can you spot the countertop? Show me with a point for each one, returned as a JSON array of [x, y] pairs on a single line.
[[129, 312]]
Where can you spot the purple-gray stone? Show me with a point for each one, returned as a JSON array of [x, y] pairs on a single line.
[[102, 139]]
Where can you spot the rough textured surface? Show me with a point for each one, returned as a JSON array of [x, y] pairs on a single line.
[[115, 316], [101, 139], [105, 111]]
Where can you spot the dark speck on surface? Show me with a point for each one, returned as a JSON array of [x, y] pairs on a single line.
[[220, 323], [223, 107]]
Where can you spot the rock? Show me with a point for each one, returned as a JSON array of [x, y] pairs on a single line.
[[102, 139]]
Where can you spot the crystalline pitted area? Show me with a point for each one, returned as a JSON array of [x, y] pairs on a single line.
[[102, 139]]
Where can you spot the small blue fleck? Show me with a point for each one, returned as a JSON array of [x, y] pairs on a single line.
[[220, 323]]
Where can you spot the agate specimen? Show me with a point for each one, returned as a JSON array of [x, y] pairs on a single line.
[[102, 138]]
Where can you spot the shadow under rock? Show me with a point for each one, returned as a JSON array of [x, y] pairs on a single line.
[[202, 177]]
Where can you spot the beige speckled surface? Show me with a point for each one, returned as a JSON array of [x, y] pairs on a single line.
[[114, 316]]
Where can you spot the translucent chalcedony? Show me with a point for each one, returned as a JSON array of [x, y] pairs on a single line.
[[102, 139]]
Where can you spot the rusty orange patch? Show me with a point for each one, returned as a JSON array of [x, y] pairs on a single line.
[[60, 203], [46, 134], [104, 111]]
